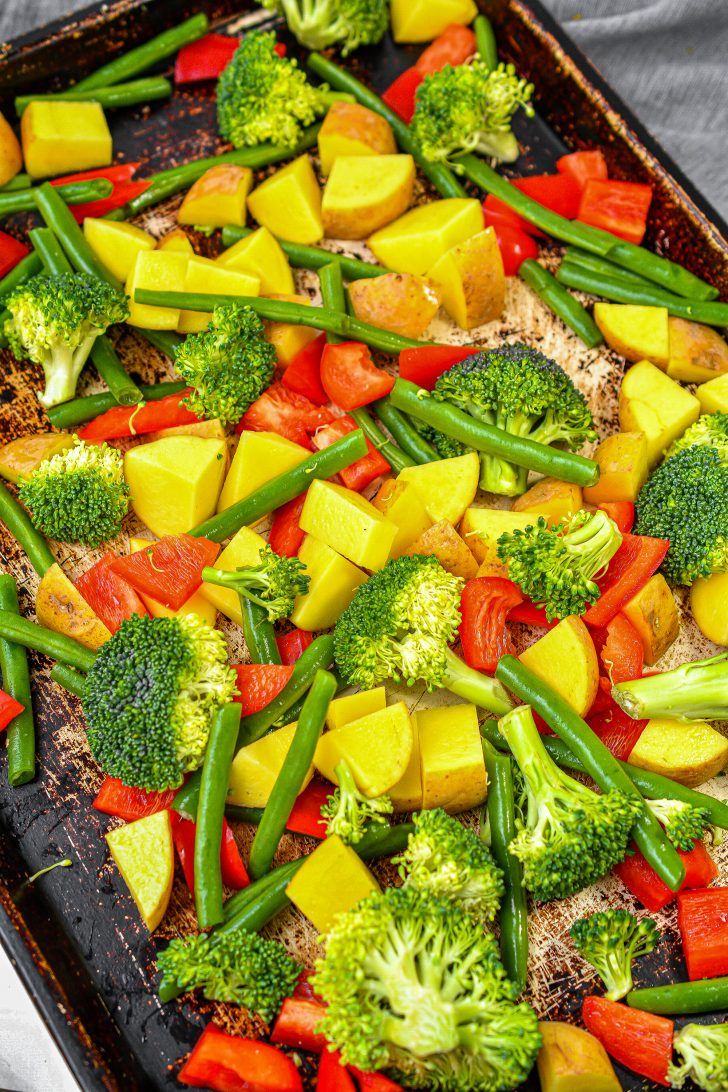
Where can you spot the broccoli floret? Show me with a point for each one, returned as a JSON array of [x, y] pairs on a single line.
[[704, 1052], [238, 966], [556, 566], [79, 495], [710, 429], [684, 824], [572, 836], [348, 812], [399, 625], [150, 698], [229, 364], [686, 501], [273, 583], [413, 986], [320, 24], [610, 940], [54, 321], [470, 108], [694, 691], [445, 446], [446, 859], [524, 392], [261, 96]]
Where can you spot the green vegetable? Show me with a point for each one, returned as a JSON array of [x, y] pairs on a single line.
[[485, 42], [611, 940], [79, 410], [218, 757], [413, 985], [27, 267], [555, 567], [348, 812], [122, 94], [17, 521], [259, 634], [20, 182], [684, 824], [706, 995], [55, 645], [272, 584], [410, 439], [50, 251], [574, 256], [333, 294], [448, 861], [79, 495], [144, 56], [710, 430], [703, 1049], [344, 24], [72, 193], [16, 682], [71, 680], [694, 691], [152, 692], [394, 455], [307, 257], [57, 216], [561, 302]]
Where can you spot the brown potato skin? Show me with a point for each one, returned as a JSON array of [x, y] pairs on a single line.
[[572, 1060], [690, 754], [401, 302], [697, 353], [550, 497], [61, 607], [351, 129], [449, 548], [654, 614]]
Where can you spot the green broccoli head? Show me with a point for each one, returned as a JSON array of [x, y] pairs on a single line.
[[470, 108], [572, 836], [239, 967], [524, 392], [704, 1052], [684, 824], [321, 24], [556, 567], [79, 495], [261, 96], [151, 696], [348, 812], [611, 940], [54, 321], [229, 364], [445, 859], [272, 584], [445, 446], [413, 986], [710, 429]]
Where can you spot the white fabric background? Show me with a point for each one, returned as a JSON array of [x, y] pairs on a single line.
[[667, 59]]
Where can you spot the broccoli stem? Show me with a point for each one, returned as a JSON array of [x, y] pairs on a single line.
[[694, 691], [123, 94], [144, 56], [475, 687], [308, 257], [561, 302]]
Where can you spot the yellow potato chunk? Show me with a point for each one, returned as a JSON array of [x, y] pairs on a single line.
[[653, 613], [177, 240], [451, 758], [196, 604], [624, 464], [20, 457], [552, 498], [709, 604], [713, 395], [651, 402], [256, 767], [11, 157], [349, 130], [203, 275], [423, 20], [60, 606], [331, 880], [453, 553], [365, 193], [351, 707], [566, 660], [572, 1060], [175, 482], [64, 137], [635, 332], [143, 852], [697, 353], [260, 457], [406, 795], [400, 503], [209, 430], [471, 280], [414, 243], [446, 487], [287, 338], [333, 581], [401, 302], [242, 551], [482, 527], [689, 753], [116, 244], [218, 197], [289, 203], [160, 271], [377, 749], [347, 523], [260, 255]]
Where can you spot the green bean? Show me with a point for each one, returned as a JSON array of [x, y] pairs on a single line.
[[259, 634], [441, 176], [18, 522], [333, 296], [682, 998], [394, 455], [72, 193], [635, 258], [144, 56], [574, 256], [122, 94], [405, 433], [50, 251], [485, 42], [513, 914], [71, 680], [24, 270], [164, 340], [16, 682], [292, 775], [561, 302], [19, 182], [56, 645], [563, 465], [78, 410], [295, 710], [283, 488], [54, 210], [600, 763], [311, 257], [383, 841], [211, 813]]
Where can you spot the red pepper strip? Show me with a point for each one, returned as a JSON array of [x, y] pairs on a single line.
[[259, 684], [168, 571], [291, 646], [304, 991], [374, 1082], [205, 58], [558, 192], [231, 865], [9, 709], [350, 377], [702, 918], [646, 885], [364, 471], [303, 374], [425, 366], [305, 817], [484, 606], [531, 615], [287, 413], [11, 252], [498, 212], [120, 172], [515, 245], [333, 1075], [228, 1063], [114, 798], [639, 1041], [629, 570], [296, 1023], [123, 421], [122, 194], [455, 46], [621, 512], [582, 166], [619, 207], [285, 535], [620, 649], [108, 594], [400, 96], [616, 729]]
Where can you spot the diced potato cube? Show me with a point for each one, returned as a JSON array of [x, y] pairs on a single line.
[[552, 498], [288, 203], [218, 197], [414, 243], [351, 707], [471, 280], [159, 271], [60, 606], [401, 504], [196, 604], [624, 464], [64, 138], [116, 244], [143, 852], [377, 749], [363, 194], [406, 795], [635, 332], [482, 527], [11, 157], [333, 581], [402, 302], [572, 1060], [331, 880], [350, 129], [443, 541], [177, 240], [260, 457], [653, 613], [261, 255], [651, 402], [446, 486], [175, 482], [203, 275], [20, 457], [709, 604], [256, 767], [566, 660], [423, 20], [689, 753], [243, 550], [713, 395], [697, 353], [347, 523], [451, 758], [288, 338]]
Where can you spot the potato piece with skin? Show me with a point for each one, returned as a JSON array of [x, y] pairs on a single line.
[[242, 551], [351, 707], [423, 20], [697, 353], [471, 280], [259, 457], [64, 137], [117, 244], [448, 547], [377, 748], [635, 332], [60, 606], [20, 457], [482, 527], [347, 523], [566, 660], [653, 613], [414, 243], [260, 255], [446, 486], [401, 302], [209, 430], [406, 795], [352, 130], [688, 753], [709, 604], [451, 758], [143, 852], [288, 203], [550, 497], [286, 337], [713, 395], [651, 402], [256, 767], [572, 1060], [331, 880], [218, 197], [400, 503], [365, 193], [333, 581], [624, 465], [11, 157], [175, 482]]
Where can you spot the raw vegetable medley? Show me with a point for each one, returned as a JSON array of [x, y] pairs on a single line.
[[372, 508]]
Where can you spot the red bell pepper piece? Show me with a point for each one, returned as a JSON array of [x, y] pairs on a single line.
[[115, 798], [619, 207], [581, 166], [305, 817], [169, 571], [205, 58], [9, 709], [530, 615], [621, 512], [515, 245], [11, 252], [303, 374], [350, 377], [108, 594], [620, 649], [558, 192], [400, 96], [634, 563], [285, 535], [231, 863], [291, 646], [640, 1041], [702, 918], [333, 1076], [123, 421], [259, 684], [295, 1025], [484, 606], [612, 725], [304, 989], [425, 366], [286, 412], [454, 46], [374, 1082], [124, 189], [496, 211], [364, 471], [639, 878], [228, 1063]]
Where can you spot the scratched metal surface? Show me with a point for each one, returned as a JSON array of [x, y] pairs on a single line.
[[78, 940]]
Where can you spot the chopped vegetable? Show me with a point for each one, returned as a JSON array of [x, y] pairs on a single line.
[[348, 812], [361, 473], [115, 798], [401, 94], [349, 376], [346, 24], [702, 917], [638, 1040], [485, 604], [644, 883], [684, 824], [581, 166], [704, 1054], [611, 940], [144, 855], [170, 570], [636, 560], [15, 675], [108, 594], [205, 58], [618, 207], [694, 690], [220, 1058], [272, 584]]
